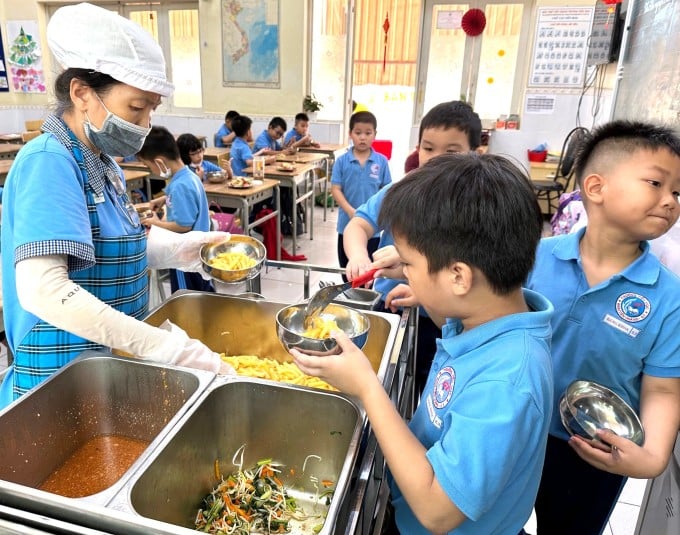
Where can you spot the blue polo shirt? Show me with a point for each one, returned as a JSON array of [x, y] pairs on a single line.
[[611, 333], [483, 418], [265, 141], [223, 131], [239, 154], [292, 136], [208, 167], [369, 211], [186, 201], [359, 183]]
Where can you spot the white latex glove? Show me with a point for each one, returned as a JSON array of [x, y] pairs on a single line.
[[193, 353], [166, 249]]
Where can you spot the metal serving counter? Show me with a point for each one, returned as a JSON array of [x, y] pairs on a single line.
[[25, 509]]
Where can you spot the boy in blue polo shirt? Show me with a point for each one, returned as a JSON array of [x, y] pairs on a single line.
[[269, 141], [466, 228], [299, 135], [185, 201], [616, 322], [449, 127], [357, 176], [225, 135], [241, 155]]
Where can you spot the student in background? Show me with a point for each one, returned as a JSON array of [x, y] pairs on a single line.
[[225, 135], [268, 142], [191, 151], [299, 135], [241, 155], [357, 175], [466, 227], [185, 201], [448, 127], [616, 321]]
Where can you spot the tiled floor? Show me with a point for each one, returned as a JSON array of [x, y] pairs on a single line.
[[287, 286]]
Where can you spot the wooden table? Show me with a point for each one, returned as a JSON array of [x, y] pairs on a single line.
[[9, 151], [5, 166], [302, 175], [136, 179], [10, 138], [244, 199], [213, 154], [543, 171], [318, 159]]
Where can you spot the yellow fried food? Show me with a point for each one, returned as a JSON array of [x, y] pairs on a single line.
[[321, 328], [232, 261], [264, 368]]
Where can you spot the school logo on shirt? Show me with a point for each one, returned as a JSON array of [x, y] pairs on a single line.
[[632, 307], [443, 387], [375, 170]]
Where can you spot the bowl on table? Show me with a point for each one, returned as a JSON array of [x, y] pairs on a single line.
[[587, 406], [216, 177], [251, 247], [290, 328]]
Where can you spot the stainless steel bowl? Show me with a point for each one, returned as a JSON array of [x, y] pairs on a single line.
[[290, 326], [255, 249], [587, 406], [217, 177], [361, 294]]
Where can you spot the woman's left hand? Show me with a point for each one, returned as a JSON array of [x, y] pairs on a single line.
[[166, 249], [612, 453]]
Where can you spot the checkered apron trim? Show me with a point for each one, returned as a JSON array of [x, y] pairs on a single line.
[[119, 278]]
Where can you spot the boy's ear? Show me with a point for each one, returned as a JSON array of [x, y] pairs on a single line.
[[460, 278], [481, 149], [592, 187]]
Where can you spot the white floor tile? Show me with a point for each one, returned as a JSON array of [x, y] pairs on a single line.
[[633, 492], [623, 519]]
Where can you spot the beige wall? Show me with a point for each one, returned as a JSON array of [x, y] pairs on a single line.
[[216, 99]]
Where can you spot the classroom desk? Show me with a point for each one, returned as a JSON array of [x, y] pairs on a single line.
[[10, 138], [9, 151], [136, 179], [4, 170], [302, 175], [244, 199], [213, 154], [319, 159], [544, 171]]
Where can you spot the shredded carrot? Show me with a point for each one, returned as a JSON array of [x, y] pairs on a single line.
[[327, 483]]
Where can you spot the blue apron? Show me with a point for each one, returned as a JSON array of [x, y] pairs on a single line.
[[118, 278]]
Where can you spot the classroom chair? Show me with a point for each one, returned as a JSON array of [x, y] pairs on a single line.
[[27, 136], [384, 147], [550, 189], [34, 125]]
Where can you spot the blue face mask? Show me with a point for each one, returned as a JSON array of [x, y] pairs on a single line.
[[116, 137]]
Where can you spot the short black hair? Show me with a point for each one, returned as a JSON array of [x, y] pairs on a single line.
[[477, 209], [187, 143], [302, 116], [231, 114], [240, 125], [618, 140], [454, 114], [101, 83], [159, 143], [363, 117], [278, 121]]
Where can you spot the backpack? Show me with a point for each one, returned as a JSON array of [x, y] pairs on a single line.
[[568, 213]]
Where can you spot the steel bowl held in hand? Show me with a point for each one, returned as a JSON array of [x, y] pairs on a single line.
[[236, 260], [587, 406], [294, 332]]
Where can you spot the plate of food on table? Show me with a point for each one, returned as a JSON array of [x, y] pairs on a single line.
[[241, 182]]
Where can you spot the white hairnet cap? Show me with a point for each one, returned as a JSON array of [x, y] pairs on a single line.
[[84, 36]]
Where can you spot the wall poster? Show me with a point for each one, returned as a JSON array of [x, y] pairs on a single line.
[[24, 56], [4, 83], [250, 43], [560, 46]]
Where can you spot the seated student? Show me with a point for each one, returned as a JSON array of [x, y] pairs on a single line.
[[268, 142], [241, 155], [466, 228], [299, 135], [447, 127], [185, 201], [225, 135], [616, 320], [191, 151]]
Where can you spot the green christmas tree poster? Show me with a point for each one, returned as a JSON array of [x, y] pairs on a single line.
[[25, 57]]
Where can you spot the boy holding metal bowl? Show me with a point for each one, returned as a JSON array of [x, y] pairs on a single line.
[[466, 228], [616, 321]]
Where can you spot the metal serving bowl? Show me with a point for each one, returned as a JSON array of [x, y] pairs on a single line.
[[587, 406], [217, 177], [255, 249], [290, 326]]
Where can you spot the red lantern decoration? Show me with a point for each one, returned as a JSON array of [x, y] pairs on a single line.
[[473, 22], [611, 2], [386, 29]]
